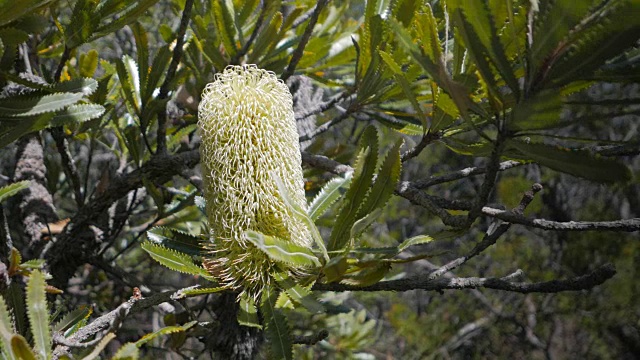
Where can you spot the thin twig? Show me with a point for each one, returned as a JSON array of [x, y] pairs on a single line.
[[461, 174], [311, 339], [297, 53], [326, 126], [427, 139], [345, 95], [584, 282], [171, 72]]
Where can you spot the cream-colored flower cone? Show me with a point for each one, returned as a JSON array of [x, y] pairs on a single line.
[[248, 130]]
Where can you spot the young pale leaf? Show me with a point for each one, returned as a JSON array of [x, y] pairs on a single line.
[[101, 345], [173, 260], [363, 175], [368, 276], [300, 214], [248, 312], [88, 63], [335, 269], [420, 239], [299, 294], [276, 328], [328, 195], [361, 225], [20, 348], [38, 314], [281, 250], [35, 105], [165, 331], [10, 190], [128, 351], [579, 163], [200, 291]]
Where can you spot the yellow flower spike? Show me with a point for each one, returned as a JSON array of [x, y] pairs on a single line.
[[248, 130]]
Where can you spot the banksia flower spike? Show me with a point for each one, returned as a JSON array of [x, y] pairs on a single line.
[[248, 134]]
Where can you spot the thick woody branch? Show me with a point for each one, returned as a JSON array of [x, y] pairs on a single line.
[[461, 174]]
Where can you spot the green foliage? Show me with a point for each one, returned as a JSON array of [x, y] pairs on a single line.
[[276, 328], [38, 314], [173, 260], [281, 250], [11, 190]]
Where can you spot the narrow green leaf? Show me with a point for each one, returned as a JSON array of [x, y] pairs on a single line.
[[406, 87], [368, 276], [300, 214], [131, 13], [281, 250], [6, 330], [276, 328], [173, 260], [248, 313], [299, 294], [176, 240], [129, 83], [201, 291], [224, 26], [362, 178], [101, 345], [158, 68], [77, 113], [38, 314], [542, 111], [21, 348], [13, 10], [579, 163], [12, 189], [165, 331], [142, 48], [36, 105], [72, 318], [328, 195], [84, 86], [385, 183]]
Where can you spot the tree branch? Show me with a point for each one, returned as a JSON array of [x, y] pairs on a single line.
[[297, 53], [461, 174], [584, 282], [171, 72]]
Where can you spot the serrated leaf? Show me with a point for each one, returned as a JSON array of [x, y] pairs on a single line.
[[38, 314], [201, 291], [224, 26], [276, 328], [158, 68], [84, 86], [405, 86], [77, 114], [368, 276], [328, 195], [14, 296], [128, 75], [176, 240], [100, 346], [35, 105], [579, 163], [12, 189], [165, 331], [299, 294], [173, 260], [300, 214], [385, 183], [33, 264], [361, 225], [335, 269], [542, 111], [360, 184], [6, 330], [13, 10], [403, 123], [125, 16], [128, 351], [281, 250], [248, 312], [73, 317], [142, 48], [21, 349]]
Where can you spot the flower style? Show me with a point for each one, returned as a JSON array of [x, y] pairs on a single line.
[[248, 132]]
